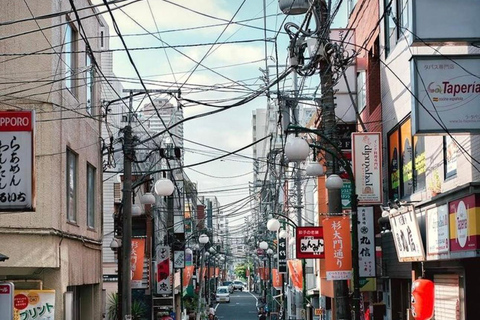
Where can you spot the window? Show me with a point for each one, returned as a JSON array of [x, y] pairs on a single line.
[[89, 74], [71, 186], [69, 57], [450, 155], [406, 162], [396, 15], [91, 196], [361, 91]]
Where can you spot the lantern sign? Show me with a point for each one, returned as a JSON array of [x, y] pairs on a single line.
[[423, 298]]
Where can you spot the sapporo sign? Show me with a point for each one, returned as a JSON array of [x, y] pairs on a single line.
[[309, 241], [16, 160]]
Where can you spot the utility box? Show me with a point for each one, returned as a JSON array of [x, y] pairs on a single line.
[[293, 7]]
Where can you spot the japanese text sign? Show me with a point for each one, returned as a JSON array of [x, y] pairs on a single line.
[[309, 241], [338, 248], [366, 242], [282, 255], [295, 272], [16, 160], [164, 283], [34, 304], [136, 263], [406, 235]]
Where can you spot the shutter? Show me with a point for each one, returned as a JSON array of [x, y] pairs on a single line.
[[447, 297], [117, 192]]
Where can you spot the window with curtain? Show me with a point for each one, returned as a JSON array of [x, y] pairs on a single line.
[[71, 186], [70, 49], [91, 196]]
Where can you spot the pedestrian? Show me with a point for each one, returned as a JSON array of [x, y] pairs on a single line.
[[262, 316]]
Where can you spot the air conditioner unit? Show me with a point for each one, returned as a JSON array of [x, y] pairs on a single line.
[[117, 192]]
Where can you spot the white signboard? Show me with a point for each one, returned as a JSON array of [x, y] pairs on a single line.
[[16, 160], [450, 20], [448, 93], [406, 236], [438, 240], [367, 166], [6, 300], [366, 242]]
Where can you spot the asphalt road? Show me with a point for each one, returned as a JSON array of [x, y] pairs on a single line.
[[242, 306]]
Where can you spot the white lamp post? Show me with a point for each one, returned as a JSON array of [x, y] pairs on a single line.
[[282, 234], [273, 224], [334, 182], [296, 149], [136, 210], [147, 198], [314, 169], [164, 187], [203, 239], [263, 245]]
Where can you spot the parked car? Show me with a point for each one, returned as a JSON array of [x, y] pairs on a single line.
[[228, 284], [222, 294], [238, 285]]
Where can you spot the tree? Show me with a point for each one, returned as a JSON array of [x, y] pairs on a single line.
[[138, 309]]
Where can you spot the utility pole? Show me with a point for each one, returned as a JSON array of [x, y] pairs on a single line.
[[340, 287], [128, 155]]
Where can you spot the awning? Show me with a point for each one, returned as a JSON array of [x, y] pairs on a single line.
[[3, 257]]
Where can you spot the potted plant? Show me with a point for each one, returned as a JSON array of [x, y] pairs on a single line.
[[138, 309], [435, 185]]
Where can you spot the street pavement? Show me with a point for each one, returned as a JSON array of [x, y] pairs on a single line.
[[242, 306]]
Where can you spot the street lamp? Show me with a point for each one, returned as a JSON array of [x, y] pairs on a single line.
[[273, 224], [203, 239], [263, 245], [334, 185]]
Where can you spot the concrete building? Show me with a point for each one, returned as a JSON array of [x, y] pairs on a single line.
[[54, 242]]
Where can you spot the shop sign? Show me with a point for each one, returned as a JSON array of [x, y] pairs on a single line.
[[6, 300], [282, 255], [309, 242], [34, 302], [438, 239], [464, 226], [16, 160], [163, 279], [366, 242], [406, 235], [367, 166], [137, 263]]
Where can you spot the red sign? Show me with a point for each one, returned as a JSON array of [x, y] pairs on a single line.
[[4, 289], [309, 241], [20, 301], [16, 121], [338, 247]]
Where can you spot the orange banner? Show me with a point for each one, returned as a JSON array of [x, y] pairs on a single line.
[[276, 279], [295, 271], [187, 275], [217, 272], [338, 248], [136, 261]]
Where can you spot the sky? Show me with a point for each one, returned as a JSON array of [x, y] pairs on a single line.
[[212, 50]]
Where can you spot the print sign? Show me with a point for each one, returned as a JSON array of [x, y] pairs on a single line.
[[34, 304], [16, 160], [309, 243]]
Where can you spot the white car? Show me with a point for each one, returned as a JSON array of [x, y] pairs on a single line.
[[222, 294], [238, 285]]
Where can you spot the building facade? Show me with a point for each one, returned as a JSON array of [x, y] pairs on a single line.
[[54, 243]]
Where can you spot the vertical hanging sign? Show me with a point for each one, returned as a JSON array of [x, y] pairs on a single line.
[[367, 166], [16, 160], [338, 248], [164, 283], [366, 242], [137, 260], [282, 255]]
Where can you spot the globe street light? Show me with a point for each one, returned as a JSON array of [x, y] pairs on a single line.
[[164, 187], [263, 245], [273, 224]]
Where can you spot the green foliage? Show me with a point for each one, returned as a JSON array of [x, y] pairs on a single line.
[[138, 309], [241, 270]]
